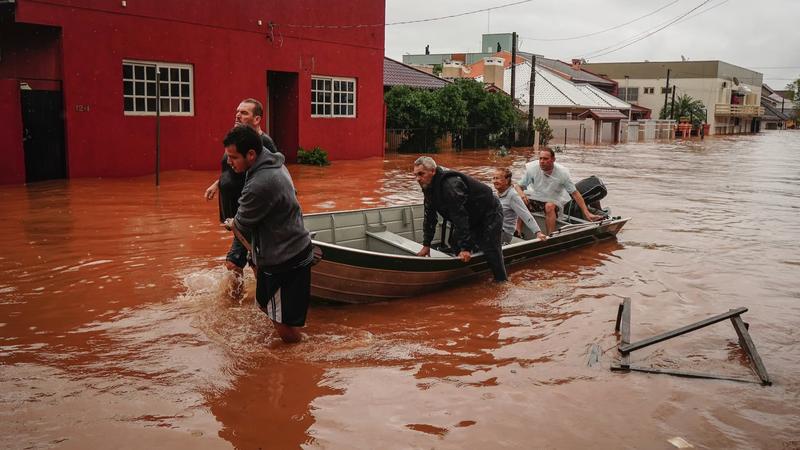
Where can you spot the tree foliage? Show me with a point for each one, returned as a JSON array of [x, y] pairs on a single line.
[[428, 115], [794, 90], [541, 125], [685, 106], [794, 96]]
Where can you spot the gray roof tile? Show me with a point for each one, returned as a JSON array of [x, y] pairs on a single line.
[[396, 73]]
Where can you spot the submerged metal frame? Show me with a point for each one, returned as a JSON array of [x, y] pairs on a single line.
[[623, 327]]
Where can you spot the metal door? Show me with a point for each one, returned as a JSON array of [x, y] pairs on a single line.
[[43, 135]]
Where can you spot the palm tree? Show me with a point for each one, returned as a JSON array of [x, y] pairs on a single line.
[[685, 106]]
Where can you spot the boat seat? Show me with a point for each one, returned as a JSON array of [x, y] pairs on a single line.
[[395, 240]]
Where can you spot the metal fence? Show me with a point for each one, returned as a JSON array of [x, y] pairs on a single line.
[[426, 140]]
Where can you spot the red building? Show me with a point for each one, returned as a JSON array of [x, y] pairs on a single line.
[[80, 81]]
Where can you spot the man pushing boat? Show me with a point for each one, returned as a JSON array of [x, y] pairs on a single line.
[[279, 244], [469, 205]]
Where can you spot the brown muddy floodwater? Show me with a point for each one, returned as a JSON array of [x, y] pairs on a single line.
[[115, 331]]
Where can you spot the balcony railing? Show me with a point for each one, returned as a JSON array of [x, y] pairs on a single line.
[[724, 109]]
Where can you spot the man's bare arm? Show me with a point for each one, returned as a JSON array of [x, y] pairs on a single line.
[[582, 205]]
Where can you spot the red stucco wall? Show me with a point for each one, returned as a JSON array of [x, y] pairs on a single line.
[[231, 55], [12, 170]]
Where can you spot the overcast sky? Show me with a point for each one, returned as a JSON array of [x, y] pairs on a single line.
[[762, 36]]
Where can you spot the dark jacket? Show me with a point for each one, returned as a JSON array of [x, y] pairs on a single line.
[[270, 214], [459, 199], [232, 183]]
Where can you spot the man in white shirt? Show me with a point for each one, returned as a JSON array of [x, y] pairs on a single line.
[[548, 187]]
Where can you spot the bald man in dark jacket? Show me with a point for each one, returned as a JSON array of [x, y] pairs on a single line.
[[469, 205]]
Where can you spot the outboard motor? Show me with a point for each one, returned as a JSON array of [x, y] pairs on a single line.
[[593, 190]]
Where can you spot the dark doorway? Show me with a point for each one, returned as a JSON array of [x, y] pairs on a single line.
[[43, 135], [283, 111]]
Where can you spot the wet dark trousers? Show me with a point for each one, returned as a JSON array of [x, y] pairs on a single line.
[[488, 236]]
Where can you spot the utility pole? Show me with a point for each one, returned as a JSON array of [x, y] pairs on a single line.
[[531, 89], [627, 94], [513, 66], [666, 92], [513, 83], [672, 106], [158, 126]]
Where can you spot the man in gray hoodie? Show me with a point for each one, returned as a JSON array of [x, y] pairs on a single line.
[[270, 215]]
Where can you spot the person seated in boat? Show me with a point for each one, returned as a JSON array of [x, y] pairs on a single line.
[[548, 187], [513, 207], [469, 205]]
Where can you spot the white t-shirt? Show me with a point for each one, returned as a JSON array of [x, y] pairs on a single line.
[[554, 188]]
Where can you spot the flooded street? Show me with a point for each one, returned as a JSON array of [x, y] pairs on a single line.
[[116, 331]]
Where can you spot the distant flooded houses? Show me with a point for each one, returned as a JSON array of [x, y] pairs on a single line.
[[628, 101], [730, 95], [580, 106]]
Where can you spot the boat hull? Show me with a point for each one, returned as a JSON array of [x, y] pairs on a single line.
[[353, 275]]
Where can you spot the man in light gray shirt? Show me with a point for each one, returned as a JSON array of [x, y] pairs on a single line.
[[548, 187], [513, 207]]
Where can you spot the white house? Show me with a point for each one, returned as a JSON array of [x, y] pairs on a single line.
[[731, 94]]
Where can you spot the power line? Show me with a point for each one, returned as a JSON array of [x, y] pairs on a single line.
[[406, 22], [601, 31], [704, 11], [642, 36]]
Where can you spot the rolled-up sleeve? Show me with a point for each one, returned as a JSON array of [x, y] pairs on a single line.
[[526, 178], [522, 212]]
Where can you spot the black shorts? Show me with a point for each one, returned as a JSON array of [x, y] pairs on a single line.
[[285, 296], [538, 206]]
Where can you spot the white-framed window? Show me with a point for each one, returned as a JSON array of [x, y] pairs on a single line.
[[175, 86], [649, 90], [333, 97], [630, 94]]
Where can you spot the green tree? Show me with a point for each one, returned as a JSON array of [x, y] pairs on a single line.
[[794, 89], [685, 106], [794, 96], [490, 116], [428, 115], [452, 108], [498, 117], [541, 125], [472, 92], [415, 111]]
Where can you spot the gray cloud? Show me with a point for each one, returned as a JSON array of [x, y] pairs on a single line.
[[756, 35]]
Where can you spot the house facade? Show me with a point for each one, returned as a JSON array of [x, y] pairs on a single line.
[[731, 94], [577, 112], [775, 116], [94, 89]]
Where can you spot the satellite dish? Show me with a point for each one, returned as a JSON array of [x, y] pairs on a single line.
[[735, 81]]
